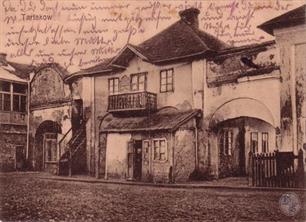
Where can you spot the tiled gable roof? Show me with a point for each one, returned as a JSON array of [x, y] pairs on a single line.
[[177, 41], [180, 40]]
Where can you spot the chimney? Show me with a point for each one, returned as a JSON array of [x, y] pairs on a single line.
[[190, 16], [3, 58]]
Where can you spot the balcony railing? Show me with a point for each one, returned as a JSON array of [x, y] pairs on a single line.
[[138, 101]]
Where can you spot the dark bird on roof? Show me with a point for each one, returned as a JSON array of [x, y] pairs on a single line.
[[247, 61]]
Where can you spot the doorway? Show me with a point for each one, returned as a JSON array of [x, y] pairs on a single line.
[[241, 139], [46, 143], [135, 160], [20, 157], [50, 147], [138, 160]]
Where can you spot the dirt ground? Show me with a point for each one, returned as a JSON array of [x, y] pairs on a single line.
[[26, 197]]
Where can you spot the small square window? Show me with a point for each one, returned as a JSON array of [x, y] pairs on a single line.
[[5, 86], [160, 149], [19, 88]]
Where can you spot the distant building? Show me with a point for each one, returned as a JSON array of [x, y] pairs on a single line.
[[13, 114]]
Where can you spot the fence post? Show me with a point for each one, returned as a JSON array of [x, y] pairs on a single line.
[[300, 170]]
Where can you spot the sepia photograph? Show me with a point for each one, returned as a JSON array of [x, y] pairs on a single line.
[[152, 110]]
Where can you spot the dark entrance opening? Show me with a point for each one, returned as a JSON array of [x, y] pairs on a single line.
[[76, 115], [241, 139], [137, 169], [43, 146], [20, 157]]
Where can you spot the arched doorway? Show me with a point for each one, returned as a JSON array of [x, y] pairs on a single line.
[[238, 127], [46, 143]]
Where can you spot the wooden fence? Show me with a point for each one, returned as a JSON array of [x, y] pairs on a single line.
[[277, 169]]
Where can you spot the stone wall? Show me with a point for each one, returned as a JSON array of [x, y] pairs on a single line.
[[292, 45], [11, 136], [184, 155]]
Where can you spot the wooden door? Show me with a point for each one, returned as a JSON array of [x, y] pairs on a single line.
[[137, 171], [50, 147], [130, 160]]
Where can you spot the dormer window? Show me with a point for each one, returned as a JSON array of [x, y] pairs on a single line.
[[138, 82], [166, 80]]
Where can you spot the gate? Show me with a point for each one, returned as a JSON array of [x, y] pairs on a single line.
[[277, 169]]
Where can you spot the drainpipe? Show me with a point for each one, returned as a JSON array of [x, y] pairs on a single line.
[[93, 127], [293, 100], [173, 156], [28, 120], [105, 174], [196, 145]]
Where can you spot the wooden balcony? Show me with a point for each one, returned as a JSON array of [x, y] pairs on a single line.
[[132, 102]]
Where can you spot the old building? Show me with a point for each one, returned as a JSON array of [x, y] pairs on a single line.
[[13, 114], [181, 105], [289, 30], [56, 116]]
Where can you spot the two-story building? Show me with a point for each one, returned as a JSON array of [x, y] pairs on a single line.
[[181, 105], [13, 114]]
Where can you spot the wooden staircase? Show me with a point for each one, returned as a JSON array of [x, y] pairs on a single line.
[[73, 160]]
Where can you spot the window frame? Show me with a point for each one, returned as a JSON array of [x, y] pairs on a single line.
[[159, 148], [53, 137], [167, 84], [227, 141], [251, 142], [262, 142], [11, 93], [146, 151], [113, 92], [138, 75]]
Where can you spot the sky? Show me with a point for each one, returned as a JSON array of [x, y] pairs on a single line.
[[80, 34]]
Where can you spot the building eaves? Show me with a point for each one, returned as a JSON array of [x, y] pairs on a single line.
[[291, 18]]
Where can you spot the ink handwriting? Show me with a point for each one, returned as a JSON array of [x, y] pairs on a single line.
[[84, 33]]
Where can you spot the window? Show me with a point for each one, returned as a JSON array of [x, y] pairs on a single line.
[[254, 142], [227, 141], [5, 96], [138, 82], [13, 96], [19, 97], [146, 145], [113, 86], [265, 142], [166, 80], [160, 149]]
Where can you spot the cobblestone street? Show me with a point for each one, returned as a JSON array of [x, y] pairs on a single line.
[[26, 197]]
